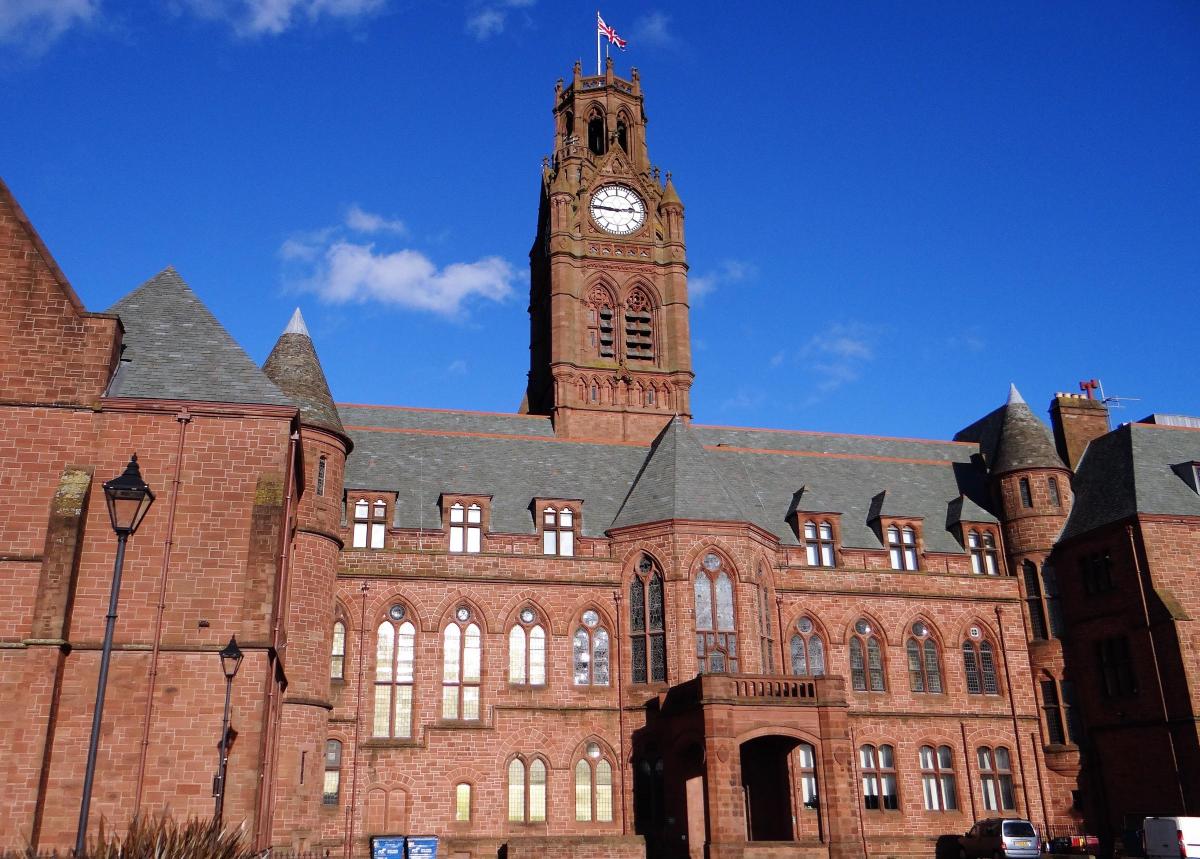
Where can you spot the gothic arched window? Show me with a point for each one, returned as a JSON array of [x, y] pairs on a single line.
[[593, 786], [596, 142], [866, 658], [527, 650], [647, 624], [639, 326], [462, 651], [807, 650], [526, 791], [600, 322], [979, 662], [623, 134], [590, 651], [924, 669], [716, 630], [394, 651], [766, 634], [337, 652]]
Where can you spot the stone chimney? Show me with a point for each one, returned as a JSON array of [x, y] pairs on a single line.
[[1076, 420]]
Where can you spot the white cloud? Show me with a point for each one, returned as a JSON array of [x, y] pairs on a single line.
[[729, 271], [458, 367], [407, 278], [362, 221], [272, 17], [836, 356], [37, 24], [490, 18], [654, 28]]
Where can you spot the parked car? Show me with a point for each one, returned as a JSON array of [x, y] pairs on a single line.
[[1000, 838], [1172, 837], [1077, 844]]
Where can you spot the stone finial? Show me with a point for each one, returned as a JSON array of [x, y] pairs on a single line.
[[1014, 396], [296, 325]]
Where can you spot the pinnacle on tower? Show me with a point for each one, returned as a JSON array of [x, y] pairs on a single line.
[[1024, 440]]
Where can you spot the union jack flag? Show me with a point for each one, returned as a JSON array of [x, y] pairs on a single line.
[[611, 34]]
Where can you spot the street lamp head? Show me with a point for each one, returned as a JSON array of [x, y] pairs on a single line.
[[231, 658], [128, 499]]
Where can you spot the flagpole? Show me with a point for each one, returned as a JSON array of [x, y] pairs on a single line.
[[597, 43]]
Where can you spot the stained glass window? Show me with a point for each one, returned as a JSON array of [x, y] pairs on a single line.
[[648, 654]]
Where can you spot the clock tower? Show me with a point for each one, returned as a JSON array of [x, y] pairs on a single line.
[[610, 355]]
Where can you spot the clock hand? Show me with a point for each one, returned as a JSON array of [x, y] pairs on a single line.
[[611, 209]]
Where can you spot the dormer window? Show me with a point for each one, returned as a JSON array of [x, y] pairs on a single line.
[[819, 544], [466, 527], [984, 558], [370, 524], [902, 547], [558, 529]]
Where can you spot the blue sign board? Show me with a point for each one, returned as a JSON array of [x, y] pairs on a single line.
[[389, 847], [422, 847]]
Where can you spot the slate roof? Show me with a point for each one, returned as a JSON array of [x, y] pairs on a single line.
[[175, 349], [294, 367], [1131, 470], [1024, 441], [692, 471]]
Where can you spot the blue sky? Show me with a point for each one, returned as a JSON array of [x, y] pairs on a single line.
[[893, 208]]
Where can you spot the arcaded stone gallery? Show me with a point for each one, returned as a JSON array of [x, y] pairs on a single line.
[[590, 628]]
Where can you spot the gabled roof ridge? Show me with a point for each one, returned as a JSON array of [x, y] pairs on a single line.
[[833, 433], [440, 409]]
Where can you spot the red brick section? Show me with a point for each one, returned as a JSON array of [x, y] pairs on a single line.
[[1129, 734], [51, 349], [1076, 421]]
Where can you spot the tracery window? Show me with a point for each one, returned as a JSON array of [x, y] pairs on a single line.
[[331, 793], [596, 136], [878, 770], [716, 630], [590, 651], [394, 652], [924, 671], [593, 786], [466, 527], [995, 778], [866, 658], [526, 791], [984, 558], [902, 547], [370, 524], [807, 650], [337, 652], [819, 544], [980, 663], [558, 531], [527, 650], [647, 624], [937, 778], [639, 329], [601, 326], [462, 650]]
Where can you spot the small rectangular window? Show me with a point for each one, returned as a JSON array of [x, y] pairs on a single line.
[[1055, 498], [1026, 495]]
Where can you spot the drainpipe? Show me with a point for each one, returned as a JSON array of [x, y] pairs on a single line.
[[1162, 694], [362, 646], [962, 726], [620, 709], [184, 418], [784, 668], [1012, 705], [856, 792]]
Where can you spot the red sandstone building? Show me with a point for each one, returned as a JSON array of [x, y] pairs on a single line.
[[593, 628]]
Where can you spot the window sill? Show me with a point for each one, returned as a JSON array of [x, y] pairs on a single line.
[[459, 724], [391, 743]]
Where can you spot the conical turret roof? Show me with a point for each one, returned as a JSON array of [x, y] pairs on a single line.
[[1025, 441], [294, 367]]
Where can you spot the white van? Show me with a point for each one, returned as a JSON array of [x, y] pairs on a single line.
[[1172, 837]]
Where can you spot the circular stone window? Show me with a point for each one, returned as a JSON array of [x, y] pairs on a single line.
[[397, 612], [920, 630], [862, 627], [463, 613], [527, 615], [590, 618], [976, 632], [593, 750], [645, 565], [711, 562], [804, 625]]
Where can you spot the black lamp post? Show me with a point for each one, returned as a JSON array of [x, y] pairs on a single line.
[[231, 660], [128, 499]]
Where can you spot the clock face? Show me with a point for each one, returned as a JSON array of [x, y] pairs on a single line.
[[618, 209]]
